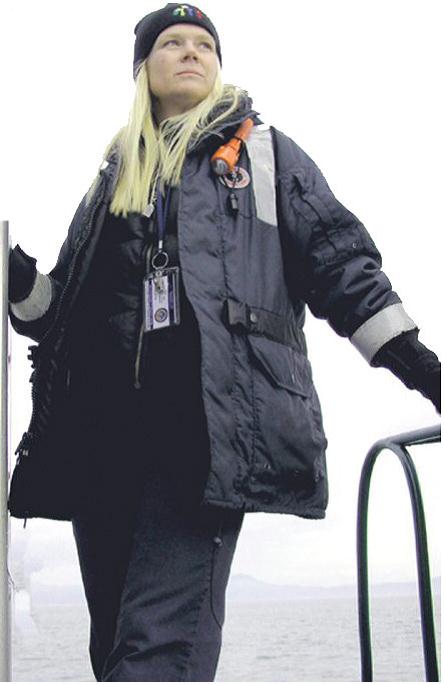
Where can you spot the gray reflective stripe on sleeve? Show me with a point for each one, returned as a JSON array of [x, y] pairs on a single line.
[[38, 301], [380, 328], [260, 150]]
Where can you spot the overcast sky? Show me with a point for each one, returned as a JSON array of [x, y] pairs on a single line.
[[357, 85]]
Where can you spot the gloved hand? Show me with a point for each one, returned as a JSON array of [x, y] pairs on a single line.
[[432, 387], [415, 365], [22, 274]]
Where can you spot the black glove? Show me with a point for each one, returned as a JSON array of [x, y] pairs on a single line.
[[415, 365], [22, 274]]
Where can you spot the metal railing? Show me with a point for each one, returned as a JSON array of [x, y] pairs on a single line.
[[397, 444], [5, 585]]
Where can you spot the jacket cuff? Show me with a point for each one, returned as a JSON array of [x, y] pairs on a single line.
[[414, 364], [380, 328], [38, 301]]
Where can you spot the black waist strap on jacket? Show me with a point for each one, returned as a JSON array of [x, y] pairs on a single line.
[[261, 322]]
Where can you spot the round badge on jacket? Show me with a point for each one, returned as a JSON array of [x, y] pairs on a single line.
[[239, 181]]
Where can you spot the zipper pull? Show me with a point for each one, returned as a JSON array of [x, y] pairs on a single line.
[[233, 203], [218, 538]]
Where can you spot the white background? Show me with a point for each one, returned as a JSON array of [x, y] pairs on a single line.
[[357, 85]]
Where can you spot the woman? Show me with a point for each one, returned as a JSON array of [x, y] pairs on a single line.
[[172, 391]]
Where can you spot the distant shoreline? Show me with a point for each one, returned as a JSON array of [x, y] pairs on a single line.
[[242, 589]]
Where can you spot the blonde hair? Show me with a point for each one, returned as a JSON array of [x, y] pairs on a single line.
[[148, 152]]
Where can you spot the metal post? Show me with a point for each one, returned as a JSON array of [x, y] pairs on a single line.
[[5, 587]]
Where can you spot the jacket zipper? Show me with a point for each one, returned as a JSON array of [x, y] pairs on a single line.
[[137, 381]]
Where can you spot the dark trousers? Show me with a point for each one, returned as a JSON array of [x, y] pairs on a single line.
[[154, 562]]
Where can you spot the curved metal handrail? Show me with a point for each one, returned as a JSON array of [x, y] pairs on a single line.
[[397, 444]]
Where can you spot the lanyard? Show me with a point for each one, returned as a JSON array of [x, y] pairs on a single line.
[[160, 258], [162, 213]]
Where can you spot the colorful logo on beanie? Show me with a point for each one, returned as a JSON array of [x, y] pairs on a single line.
[[188, 11]]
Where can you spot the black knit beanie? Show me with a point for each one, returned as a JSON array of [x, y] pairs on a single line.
[[149, 27]]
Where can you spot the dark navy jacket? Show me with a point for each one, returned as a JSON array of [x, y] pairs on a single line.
[[247, 276]]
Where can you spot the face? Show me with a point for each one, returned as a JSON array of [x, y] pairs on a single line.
[[182, 68]]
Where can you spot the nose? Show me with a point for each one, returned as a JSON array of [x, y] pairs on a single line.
[[190, 51]]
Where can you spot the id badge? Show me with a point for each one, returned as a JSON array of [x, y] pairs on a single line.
[[161, 299]]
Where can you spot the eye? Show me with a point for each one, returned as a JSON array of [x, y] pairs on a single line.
[[171, 40], [207, 45]]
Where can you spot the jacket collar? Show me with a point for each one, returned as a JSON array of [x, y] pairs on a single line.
[[224, 130], [243, 111]]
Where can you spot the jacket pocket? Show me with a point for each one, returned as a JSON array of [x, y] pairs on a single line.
[[338, 234], [313, 207], [284, 365], [289, 439]]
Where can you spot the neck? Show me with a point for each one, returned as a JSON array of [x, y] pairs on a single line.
[[164, 110]]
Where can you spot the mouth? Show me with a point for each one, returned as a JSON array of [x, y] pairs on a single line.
[[189, 73]]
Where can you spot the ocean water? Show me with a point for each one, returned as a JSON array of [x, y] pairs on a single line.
[[299, 641]]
